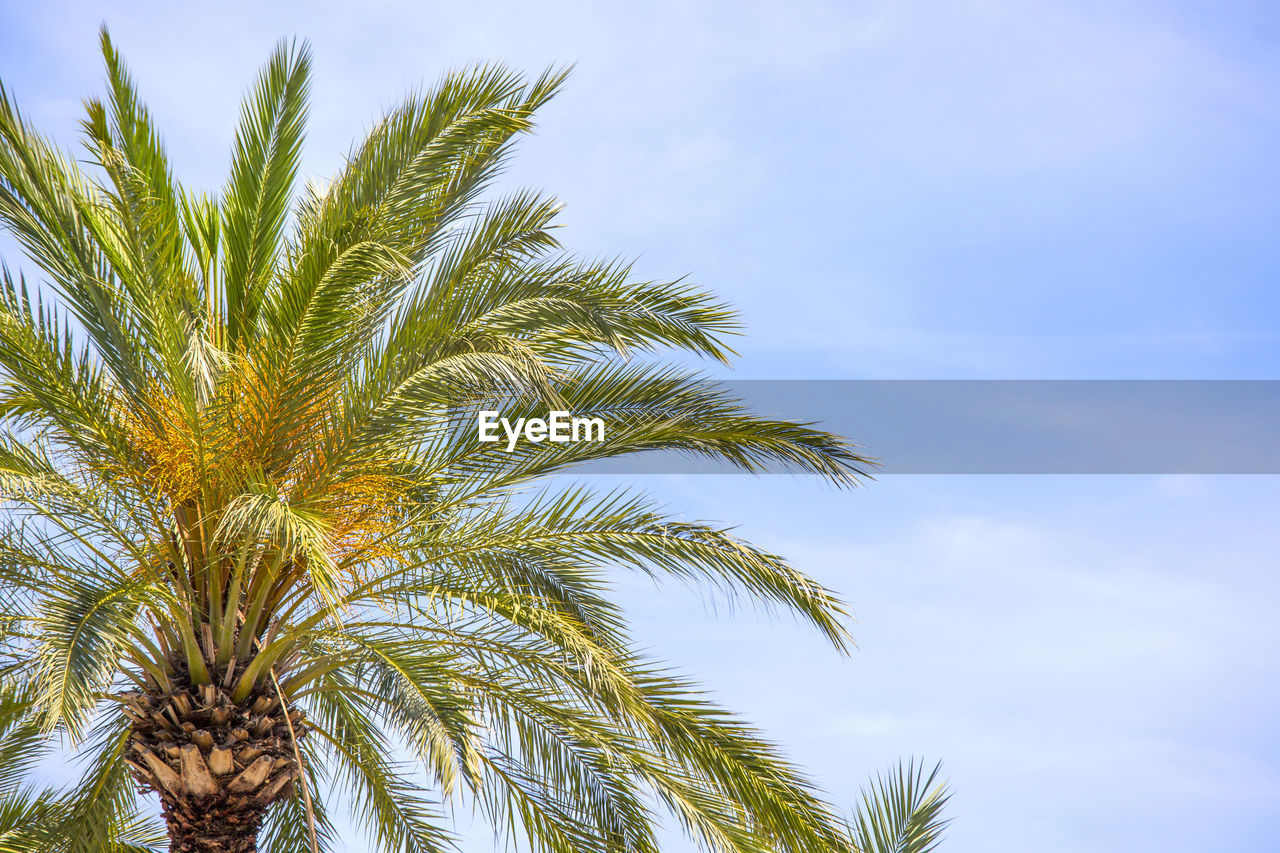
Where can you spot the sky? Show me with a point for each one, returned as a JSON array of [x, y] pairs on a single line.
[[890, 190]]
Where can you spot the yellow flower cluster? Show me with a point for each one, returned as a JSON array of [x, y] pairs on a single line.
[[245, 438]]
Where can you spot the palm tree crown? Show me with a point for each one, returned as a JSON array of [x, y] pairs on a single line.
[[254, 546]]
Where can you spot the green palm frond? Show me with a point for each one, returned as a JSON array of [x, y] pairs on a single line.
[[256, 201], [101, 811], [902, 811], [402, 820], [99, 814]]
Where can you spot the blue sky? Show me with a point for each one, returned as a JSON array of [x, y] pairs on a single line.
[[893, 190]]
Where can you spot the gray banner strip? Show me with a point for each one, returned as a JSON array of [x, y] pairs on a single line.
[[1023, 427]]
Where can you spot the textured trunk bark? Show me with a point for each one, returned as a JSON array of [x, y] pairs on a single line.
[[228, 825], [217, 765]]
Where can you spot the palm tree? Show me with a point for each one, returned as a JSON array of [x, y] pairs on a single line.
[[254, 543]]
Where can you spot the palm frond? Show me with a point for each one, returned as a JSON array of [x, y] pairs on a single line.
[[256, 201], [58, 216], [902, 811], [401, 820]]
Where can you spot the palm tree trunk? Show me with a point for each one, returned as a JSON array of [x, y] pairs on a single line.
[[229, 826], [216, 765]]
